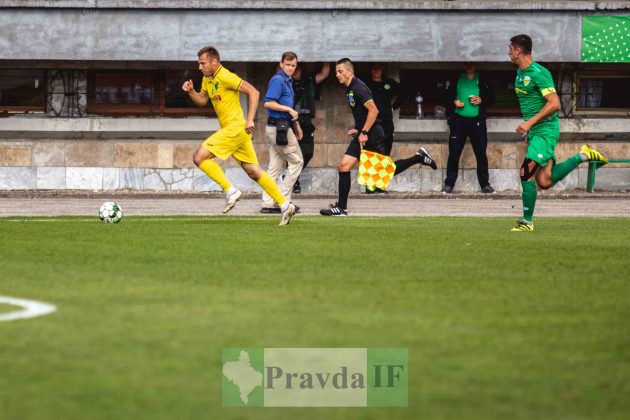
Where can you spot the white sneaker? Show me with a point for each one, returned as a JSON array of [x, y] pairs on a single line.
[[287, 214], [231, 201]]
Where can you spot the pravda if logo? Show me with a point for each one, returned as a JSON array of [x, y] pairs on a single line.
[[315, 377]]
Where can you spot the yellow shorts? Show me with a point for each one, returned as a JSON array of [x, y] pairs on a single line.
[[232, 141]]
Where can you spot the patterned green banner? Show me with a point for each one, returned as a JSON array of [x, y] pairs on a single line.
[[606, 39]]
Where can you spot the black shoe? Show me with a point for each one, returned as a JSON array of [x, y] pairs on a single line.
[[447, 189], [376, 191], [297, 189], [276, 209], [426, 158], [334, 210], [488, 190]]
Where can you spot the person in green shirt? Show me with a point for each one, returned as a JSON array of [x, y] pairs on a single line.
[[540, 128], [467, 98]]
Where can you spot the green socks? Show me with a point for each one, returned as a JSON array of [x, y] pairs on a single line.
[[562, 169], [529, 199]]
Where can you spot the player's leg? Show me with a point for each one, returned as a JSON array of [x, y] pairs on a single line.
[[249, 162], [215, 145], [587, 154], [422, 156], [528, 196], [203, 160], [348, 161]]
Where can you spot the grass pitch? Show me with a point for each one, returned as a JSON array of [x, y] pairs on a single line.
[[498, 325]]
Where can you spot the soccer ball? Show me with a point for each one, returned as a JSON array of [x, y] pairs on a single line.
[[110, 212]]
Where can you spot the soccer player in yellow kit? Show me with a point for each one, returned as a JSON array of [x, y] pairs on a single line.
[[222, 87]]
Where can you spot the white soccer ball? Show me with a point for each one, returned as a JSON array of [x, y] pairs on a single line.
[[110, 212]]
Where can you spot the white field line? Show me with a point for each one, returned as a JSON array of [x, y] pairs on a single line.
[[54, 219], [32, 308]]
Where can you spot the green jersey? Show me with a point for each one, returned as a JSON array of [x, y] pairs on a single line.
[[531, 86], [465, 89]]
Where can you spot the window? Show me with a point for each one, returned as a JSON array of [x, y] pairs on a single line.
[[23, 90], [602, 93], [132, 92], [432, 85]]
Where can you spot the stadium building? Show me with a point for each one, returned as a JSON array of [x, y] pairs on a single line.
[[91, 99]]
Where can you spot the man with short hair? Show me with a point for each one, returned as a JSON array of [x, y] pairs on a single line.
[[222, 87], [283, 130], [366, 134], [539, 104]]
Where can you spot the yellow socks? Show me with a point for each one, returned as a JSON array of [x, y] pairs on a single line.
[[271, 188], [214, 171]]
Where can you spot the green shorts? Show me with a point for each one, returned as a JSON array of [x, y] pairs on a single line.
[[541, 146]]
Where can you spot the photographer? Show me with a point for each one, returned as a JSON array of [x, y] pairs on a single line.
[[283, 130]]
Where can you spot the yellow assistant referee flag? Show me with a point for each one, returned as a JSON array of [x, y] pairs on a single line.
[[375, 170]]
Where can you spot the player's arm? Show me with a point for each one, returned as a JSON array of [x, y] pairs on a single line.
[[323, 73], [199, 98], [253, 95], [551, 107], [369, 121]]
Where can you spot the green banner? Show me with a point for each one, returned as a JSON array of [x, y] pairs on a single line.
[[606, 39]]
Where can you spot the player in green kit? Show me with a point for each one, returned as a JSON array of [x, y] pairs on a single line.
[[539, 104]]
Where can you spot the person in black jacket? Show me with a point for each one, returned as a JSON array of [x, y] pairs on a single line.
[[468, 97]]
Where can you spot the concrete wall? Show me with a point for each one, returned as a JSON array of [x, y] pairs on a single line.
[[97, 153], [255, 35]]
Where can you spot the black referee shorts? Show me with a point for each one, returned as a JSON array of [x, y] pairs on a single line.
[[375, 143]]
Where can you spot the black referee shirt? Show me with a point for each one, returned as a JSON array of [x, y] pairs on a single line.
[[358, 95]]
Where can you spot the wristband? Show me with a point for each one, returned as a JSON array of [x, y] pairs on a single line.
[[364, 132]]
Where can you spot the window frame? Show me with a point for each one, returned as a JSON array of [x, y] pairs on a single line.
[[594, 74], [20, 109], [159, 109]]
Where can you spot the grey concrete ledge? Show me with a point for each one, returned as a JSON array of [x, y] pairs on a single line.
[[320, 5], [106, 128], [499, 129]]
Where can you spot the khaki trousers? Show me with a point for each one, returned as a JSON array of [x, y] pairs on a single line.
[[278, 155]]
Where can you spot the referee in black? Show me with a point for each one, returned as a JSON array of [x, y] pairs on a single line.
[[367, 134]]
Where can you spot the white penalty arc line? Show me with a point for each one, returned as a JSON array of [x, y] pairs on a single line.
[[32, 308]]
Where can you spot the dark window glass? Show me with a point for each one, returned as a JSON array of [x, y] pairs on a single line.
[[22, 90], [174, 96], [129, 89], [430, 83], [131, 92], [432, 86], [603, 92]]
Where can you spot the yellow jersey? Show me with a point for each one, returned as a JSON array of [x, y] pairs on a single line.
[[223, 91]]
